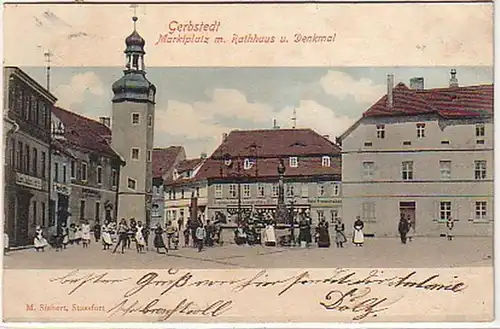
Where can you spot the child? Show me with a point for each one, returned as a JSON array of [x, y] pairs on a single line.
[[40, 242], [5, 243], [187, 233]]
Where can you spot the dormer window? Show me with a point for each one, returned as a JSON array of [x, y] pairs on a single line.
[[294, 162], [325, 161], [247, 164], [381, 131]]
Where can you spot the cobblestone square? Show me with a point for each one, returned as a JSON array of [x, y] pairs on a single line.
[[377, 252]]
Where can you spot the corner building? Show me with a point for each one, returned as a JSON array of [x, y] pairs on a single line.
[[426, 154], [132, 132], [27, 171]]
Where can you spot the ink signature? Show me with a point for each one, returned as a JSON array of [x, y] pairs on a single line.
[[77, 281], [357, 301], [184, 307]]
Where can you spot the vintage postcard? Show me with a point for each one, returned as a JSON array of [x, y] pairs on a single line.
[[248, 163]]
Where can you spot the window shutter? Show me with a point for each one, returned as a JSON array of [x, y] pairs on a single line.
[[472, 210]]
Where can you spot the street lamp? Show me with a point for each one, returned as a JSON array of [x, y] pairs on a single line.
[[281, 212], [228, 163]]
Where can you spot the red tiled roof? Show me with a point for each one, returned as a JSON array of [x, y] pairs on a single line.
[[182, 167], [267, 146], [452, 102], [267, 167], [59, 146], [275, 143], [188, 164], [84, 132], [164, 159]]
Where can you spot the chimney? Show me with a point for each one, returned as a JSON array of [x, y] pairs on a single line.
[[417, 83], [390, 87], [224, 136], [326, 137], [453, 79], [203, 155], [105, 121]]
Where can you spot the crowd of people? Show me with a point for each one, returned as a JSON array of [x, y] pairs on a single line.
[[263, 232], [121, 236], [118, 237]]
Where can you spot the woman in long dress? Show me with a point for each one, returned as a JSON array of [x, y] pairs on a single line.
[[450, 224], [340, 238], [358, 237], [107, 242], [270, 236], [139, 238], [411, 229], [122, 232], [305, 237], [85, 234], [40, 242], [158, 242], [324, 234]]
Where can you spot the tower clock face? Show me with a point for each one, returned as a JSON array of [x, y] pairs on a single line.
[[151, 95]]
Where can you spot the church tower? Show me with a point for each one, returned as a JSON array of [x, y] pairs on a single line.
[[132, 132]]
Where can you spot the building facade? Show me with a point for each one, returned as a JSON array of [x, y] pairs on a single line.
[[133, 128], [60, 192], [426, 154], [27, 176], [93, 169], [186, 196], [164, 162], [242, 177]]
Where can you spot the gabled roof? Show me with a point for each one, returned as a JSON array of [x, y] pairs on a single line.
[[84, 132], [164, 159], [275, 143], [452, 102], [188, 164], [193, 165], [58, 145]]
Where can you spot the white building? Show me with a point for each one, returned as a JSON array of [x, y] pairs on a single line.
[[186, 196], [132, 132], [423, 153]]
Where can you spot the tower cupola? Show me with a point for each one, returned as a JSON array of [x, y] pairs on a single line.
[[133, 85]]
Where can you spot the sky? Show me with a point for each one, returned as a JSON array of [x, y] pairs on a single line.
[[195, 106]]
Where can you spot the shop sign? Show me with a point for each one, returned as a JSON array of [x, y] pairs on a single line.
[[62, 189], [28, 181], [243, 201], [325, 200]]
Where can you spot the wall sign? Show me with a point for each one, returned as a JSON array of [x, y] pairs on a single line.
[[28, 181]]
